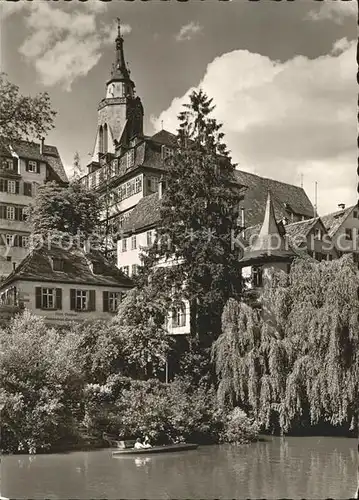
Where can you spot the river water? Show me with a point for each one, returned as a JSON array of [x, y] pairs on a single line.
[[303, 467]]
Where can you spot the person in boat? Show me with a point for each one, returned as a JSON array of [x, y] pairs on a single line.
[[146, 442], [139, 445]]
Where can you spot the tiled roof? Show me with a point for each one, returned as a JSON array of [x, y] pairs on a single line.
[[300, 229], [37, 266], [286, 198], [333, 221], [166, 138], [31, 150], [145, 213]]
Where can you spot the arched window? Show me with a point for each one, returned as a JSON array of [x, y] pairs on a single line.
[[100, 146], [105, 139], [179, 315]]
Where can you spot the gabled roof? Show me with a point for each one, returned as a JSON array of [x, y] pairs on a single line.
[[270, 243], [286, 198], [31, 150], [333, 221], [146, 213], [37, 266]]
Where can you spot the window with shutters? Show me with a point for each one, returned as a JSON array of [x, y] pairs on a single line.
[[48, 298], [82, 300]]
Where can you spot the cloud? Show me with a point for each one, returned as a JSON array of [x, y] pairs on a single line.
[[287, 119], [188, 31], [333, 10], [63, 45]]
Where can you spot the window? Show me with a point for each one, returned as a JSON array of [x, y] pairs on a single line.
[[57, 264], [152, 184], [133, 242], [329, 256], [355, 214], [317, 234], [111, 301], [10, 213], [179, 316], [165, 152], [25, 241], [138, 184], [126, 270], [32, 166], [48, 298], [9, 238], [7, 164], [257, 276], [348, 234], [130, 158], [82, 300], [124, 245], [149, 238], [27, 189], [134, 269], [97, 268]]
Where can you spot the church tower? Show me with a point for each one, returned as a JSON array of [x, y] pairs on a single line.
[[120, 113]]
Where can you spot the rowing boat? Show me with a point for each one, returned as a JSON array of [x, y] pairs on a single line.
[[156, 449]]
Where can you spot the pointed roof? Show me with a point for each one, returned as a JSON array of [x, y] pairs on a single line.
[[119, 69], [269, 245]]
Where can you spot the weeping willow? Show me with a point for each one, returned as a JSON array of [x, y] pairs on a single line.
[[298, 365]]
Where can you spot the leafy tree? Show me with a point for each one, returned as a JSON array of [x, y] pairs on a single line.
[[298, 367], [40, 385], [144, 342], [22, 118], [72, 210], [198, 214]]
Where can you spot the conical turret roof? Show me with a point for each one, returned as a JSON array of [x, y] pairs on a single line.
[[269, 245]]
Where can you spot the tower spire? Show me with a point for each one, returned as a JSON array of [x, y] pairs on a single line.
[[119, 69]]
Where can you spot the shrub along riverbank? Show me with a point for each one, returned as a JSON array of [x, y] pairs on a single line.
[[59, 390]]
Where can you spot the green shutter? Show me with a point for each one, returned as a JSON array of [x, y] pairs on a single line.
[[17, 187], [92, 300], [58, 298], [27, 165], [37, 167], [105, 301], [38, 297], [15, 162], [73, 299]]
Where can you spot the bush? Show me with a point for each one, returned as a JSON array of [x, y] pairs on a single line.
[[165, 412], [239, 428], [40, 386]]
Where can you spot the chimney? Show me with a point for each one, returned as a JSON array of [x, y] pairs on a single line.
[[42, 143], [160, 188], [341, 206]]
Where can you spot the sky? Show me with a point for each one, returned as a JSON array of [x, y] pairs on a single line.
[[282, 76]]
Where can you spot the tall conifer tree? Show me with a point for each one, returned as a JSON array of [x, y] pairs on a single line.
[[199, 212]]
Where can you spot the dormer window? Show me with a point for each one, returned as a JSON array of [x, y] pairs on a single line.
[[57, 264], [7, 164], [97, 268]]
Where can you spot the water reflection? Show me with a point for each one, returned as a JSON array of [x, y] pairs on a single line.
[[292, 468]]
